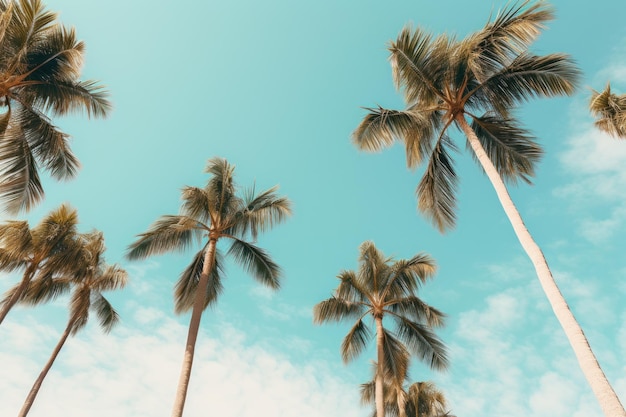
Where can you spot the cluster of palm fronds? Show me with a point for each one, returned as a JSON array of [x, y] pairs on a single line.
[[444, 80]]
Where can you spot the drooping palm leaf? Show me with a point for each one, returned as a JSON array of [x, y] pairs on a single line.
[[187, 284], [256, 262]]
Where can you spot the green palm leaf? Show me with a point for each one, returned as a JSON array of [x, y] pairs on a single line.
[[169, 233], [422, 342], [107, 316], [187, 285], [337, 309], [256, 262], [355, 341]]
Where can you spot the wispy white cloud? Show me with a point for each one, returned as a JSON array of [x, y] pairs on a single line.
[[134, 372]]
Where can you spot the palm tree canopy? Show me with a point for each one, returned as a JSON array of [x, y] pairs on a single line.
[[610, 112], [40, 66], [384, 288], [484, 77], [216, 211], [47, 251]]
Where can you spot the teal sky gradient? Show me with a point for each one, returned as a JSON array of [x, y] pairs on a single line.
[[276, 87]]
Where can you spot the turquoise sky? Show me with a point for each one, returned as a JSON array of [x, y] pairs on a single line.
[[277, 87]]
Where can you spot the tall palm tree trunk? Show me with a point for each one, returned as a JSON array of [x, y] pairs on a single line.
[[609, 402], [30, 399], [379, 393], [194, 325], [28, 276]]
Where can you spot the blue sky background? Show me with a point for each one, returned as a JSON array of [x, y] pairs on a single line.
[[276, 87]]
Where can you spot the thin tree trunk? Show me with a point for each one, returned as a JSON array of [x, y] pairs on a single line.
[[609, 402], [194, 325], [380, 398], [28, 276], [30, 399]]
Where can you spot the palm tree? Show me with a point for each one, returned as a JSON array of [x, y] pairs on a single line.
[[213, 212], [40, 65], [421, 399], [610, 112], [90, 276], [481, 77], [41, 252], [382, 288]]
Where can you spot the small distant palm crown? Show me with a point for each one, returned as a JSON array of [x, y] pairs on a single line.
[[610, 112], [420, 399], [43, 253], [40, 65], [212, 213], [384, 288], [483, 77]]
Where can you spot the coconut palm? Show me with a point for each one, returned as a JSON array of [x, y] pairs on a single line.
[[214, 212], [610, 112], [40, 65], [41, 252], [421, 399], [383, 288], [483, 77], [90, 276]]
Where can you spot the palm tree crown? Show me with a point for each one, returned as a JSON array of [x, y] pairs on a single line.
[[214, 212], [383, 288], [40, 65], [610, 112], [42, 252], [483, 76]]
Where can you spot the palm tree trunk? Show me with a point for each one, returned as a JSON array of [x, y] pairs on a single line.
[[28, 276], [194, 325], [35, 389], [609, 402], [380, 398]]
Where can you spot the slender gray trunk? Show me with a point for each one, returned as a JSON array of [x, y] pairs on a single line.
[[380, 397], [30, 399], [609, 402], [194, 325], [28, 276]]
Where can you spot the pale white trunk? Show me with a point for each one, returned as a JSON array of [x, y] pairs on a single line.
[[192, 335], [30, 399], [609, 402], [380, 397]]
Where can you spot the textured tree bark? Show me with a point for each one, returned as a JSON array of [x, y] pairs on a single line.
[[194, 325], [609, 402], [30, 399], [380, 398]]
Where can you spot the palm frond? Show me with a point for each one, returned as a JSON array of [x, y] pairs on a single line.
[[256, 262], [44, 289], [261, 212], [407, 275], [63, 97], [169, 233], [422, 342], [513, 151], [510, 34], [112, 277], [196, 204], [349, 289], [414, 309], [610, 112], [355, 341], [107, 316], [187, 284], [5, 19], [373, 268], [417, 64], [381, 127], [15, 239], [49, 145], [20, 186], [221, 187], [80, 303], [337, 309], [436, 192], [396, 358]]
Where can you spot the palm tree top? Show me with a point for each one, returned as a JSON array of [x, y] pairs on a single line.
[[483, 76], [610, 111]]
